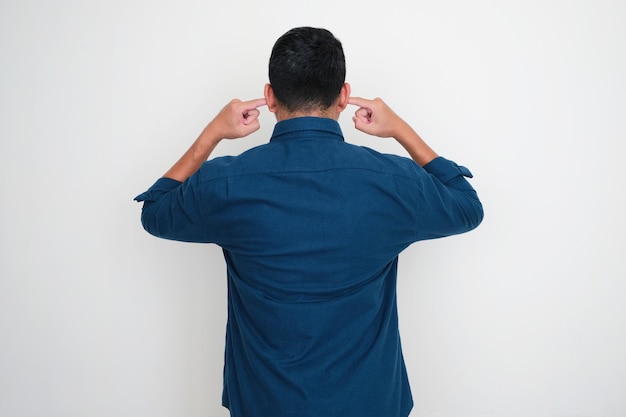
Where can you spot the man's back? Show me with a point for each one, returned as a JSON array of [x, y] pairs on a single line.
[[311, 228], [311, 251]]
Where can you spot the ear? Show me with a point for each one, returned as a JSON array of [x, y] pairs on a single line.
[[344, 95], [270, 98]]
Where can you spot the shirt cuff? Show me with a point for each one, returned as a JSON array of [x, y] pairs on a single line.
[[162, 186], [445, 170]]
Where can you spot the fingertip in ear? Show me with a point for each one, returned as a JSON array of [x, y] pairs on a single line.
[[344, 96], [270, 98]]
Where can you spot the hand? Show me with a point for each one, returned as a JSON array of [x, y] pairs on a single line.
[[237, 119], [374, 117]]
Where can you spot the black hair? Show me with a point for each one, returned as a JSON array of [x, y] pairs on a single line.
[[307, 69]]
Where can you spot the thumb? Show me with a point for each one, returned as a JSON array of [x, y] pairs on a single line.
[[250, 116], [364, 115], [358, 123]]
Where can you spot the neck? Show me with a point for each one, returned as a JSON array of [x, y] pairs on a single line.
[[282, 114]]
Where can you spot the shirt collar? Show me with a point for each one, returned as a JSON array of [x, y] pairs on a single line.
[[307, 127]]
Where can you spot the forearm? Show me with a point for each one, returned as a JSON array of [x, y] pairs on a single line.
[[195, 156], [236, 120], [419, 150]]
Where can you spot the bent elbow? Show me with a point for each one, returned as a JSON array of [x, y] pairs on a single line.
[[477, 215], [467, 214], [148, 219]]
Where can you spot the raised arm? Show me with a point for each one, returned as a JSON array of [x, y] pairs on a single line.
[[171, 209], [236, 120], [375, 118], [453, 206]]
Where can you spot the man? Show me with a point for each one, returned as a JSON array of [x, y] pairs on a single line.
[[311, 228]]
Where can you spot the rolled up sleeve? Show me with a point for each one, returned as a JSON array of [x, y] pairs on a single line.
[[171, 210], [451, 204]]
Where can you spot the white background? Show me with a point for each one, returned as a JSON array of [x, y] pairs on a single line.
[[525, 316]]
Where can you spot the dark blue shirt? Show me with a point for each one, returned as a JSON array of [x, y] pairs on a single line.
[[311, 228]]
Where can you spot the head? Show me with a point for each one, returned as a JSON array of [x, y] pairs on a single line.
[[307, 72]]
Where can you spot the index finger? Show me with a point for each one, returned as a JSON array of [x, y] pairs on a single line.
[[253, 104], [358, 101]]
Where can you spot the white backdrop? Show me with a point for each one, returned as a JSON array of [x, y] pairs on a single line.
[[524, 316]]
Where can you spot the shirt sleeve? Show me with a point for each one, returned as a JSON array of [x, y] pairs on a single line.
[[448, 204], [171, 210]]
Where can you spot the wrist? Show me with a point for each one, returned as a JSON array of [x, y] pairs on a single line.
[[211, 135]]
